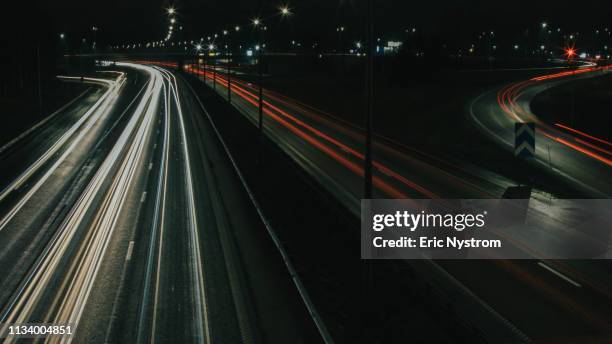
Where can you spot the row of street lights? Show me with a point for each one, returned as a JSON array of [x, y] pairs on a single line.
[[285, 11], [172, 22], [258, 24]]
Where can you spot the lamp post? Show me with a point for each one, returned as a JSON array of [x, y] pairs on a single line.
[[340, 31], [228, 66], [214, 68], [212, 47], [198, 48], [259, 49], [367, 176], [285, 11]]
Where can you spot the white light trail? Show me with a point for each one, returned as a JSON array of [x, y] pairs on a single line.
[[97, 237], [85, 123]]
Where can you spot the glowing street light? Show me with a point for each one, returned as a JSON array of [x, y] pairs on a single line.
[[544, 25], [62, 35], [171, 10], [172, 20], [199, 47], [256, 21], [285, 11], [237, 28]]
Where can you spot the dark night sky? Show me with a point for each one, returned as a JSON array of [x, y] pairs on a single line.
[[142, 20]]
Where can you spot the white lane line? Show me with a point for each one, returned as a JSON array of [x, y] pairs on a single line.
[[130, 249], [201, 297], [39, 124], [98, 113], [156, 229], [150, 166], [144, 196], [51, 151], [31, 292], [560, 275], [291, 269]]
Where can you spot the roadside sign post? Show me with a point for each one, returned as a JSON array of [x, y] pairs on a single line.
[[524, 140]]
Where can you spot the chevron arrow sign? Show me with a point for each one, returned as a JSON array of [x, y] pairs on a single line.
[[524, 140]]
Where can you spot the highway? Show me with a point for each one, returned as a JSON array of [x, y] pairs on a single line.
[[582, 159], [119, 222], [507, 299]]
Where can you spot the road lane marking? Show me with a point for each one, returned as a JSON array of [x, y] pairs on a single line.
[[101, 108], [81, 282], [41, 123], [560, 275], [292, 272], [144, 196], [130, 249], [201, 295], [156, 229], [52, 151]]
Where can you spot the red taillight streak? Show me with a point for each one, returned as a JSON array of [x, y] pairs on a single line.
[[590, 145], [157, 63], [569, 73], [384, 169], [578, 148], [254, 99], [507, 95], [583, 134], [352, 131], [506, 99]]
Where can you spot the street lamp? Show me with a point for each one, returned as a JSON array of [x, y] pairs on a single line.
[[211, 48], [171, 11], [228, 67], [544, 25], [62, 35], [198, 47], [284, 10], [256, 21]]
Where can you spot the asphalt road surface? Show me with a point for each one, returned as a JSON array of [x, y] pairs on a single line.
[[508, 300], [124, 216]]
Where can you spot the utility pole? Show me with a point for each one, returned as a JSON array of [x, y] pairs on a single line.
[[197, 63], [215, 73], [367, 176], [260, 70], [229, 74]]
